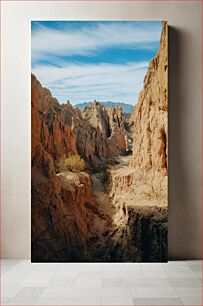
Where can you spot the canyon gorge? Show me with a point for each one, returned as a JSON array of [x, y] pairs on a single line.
[[115, 209]]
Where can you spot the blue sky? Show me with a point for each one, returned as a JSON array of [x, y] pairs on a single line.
[[86, 60]]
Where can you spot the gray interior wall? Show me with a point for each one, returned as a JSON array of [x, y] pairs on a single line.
[[185, 165], [185, 97]]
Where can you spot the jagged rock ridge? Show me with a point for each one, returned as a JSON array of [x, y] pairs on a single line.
[[62, 203], [127, 108], [150, 116], [59, 215], [139, 188], [93, 132]]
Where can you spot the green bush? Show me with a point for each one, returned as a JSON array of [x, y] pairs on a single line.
[[71, 163]]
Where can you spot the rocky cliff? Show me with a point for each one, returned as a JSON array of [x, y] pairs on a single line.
[[106, 138], [143, 182], [94, 133], [49, 131], [126, 108], [150, 147], [63, 204], [138, 188], [59, 215], [141, 238]]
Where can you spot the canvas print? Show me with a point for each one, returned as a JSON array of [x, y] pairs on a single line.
[[99, 164]]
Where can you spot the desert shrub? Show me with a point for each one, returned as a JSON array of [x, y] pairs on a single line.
[[71, 162]]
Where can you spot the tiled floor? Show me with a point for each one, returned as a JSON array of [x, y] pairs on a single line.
[[174, 283]]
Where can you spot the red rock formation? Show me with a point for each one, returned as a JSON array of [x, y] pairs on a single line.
[[150, 117], [142, 238], [94, 133], [62, 203], [105, 137], [116, 117], [118, 140], [139, 188], [48, 126], [97, 116], [60, 218]]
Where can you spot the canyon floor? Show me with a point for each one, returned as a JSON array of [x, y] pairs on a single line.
[[116, 197]]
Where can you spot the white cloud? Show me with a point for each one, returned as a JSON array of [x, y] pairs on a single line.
[[80, 82], [85, 82], [85, 41]]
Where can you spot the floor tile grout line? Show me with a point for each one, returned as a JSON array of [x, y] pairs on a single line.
[[46, 286], [167, 272], [15, 265], [102, 283], [179, 296], [175, 288], [176, 292], [16, 286]]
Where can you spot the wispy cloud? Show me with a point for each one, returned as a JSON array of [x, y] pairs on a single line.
[[82, 82], [82, 61], [88, 39]]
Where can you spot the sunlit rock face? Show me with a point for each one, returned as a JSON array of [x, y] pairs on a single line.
[[60, 215], [105, 137], [150, 116], [139, 189]]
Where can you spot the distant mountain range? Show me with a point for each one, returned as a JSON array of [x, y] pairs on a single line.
[[127, 108]]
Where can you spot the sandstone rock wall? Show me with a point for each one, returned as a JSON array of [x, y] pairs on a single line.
[[142, 237], [62, 203], [59, 215], [150, 147], [105, 135], [49, 130], [116, 117], [97, 116], [93, 133], [139, 189], [60, 218], [118, 140]]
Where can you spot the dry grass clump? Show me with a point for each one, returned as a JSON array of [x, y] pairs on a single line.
[[71, 163]]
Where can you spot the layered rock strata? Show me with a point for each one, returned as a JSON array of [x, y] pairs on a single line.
[[150, 116], [141, 238], [62, 204], [59, 215], [93, 133], [139, 188]]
